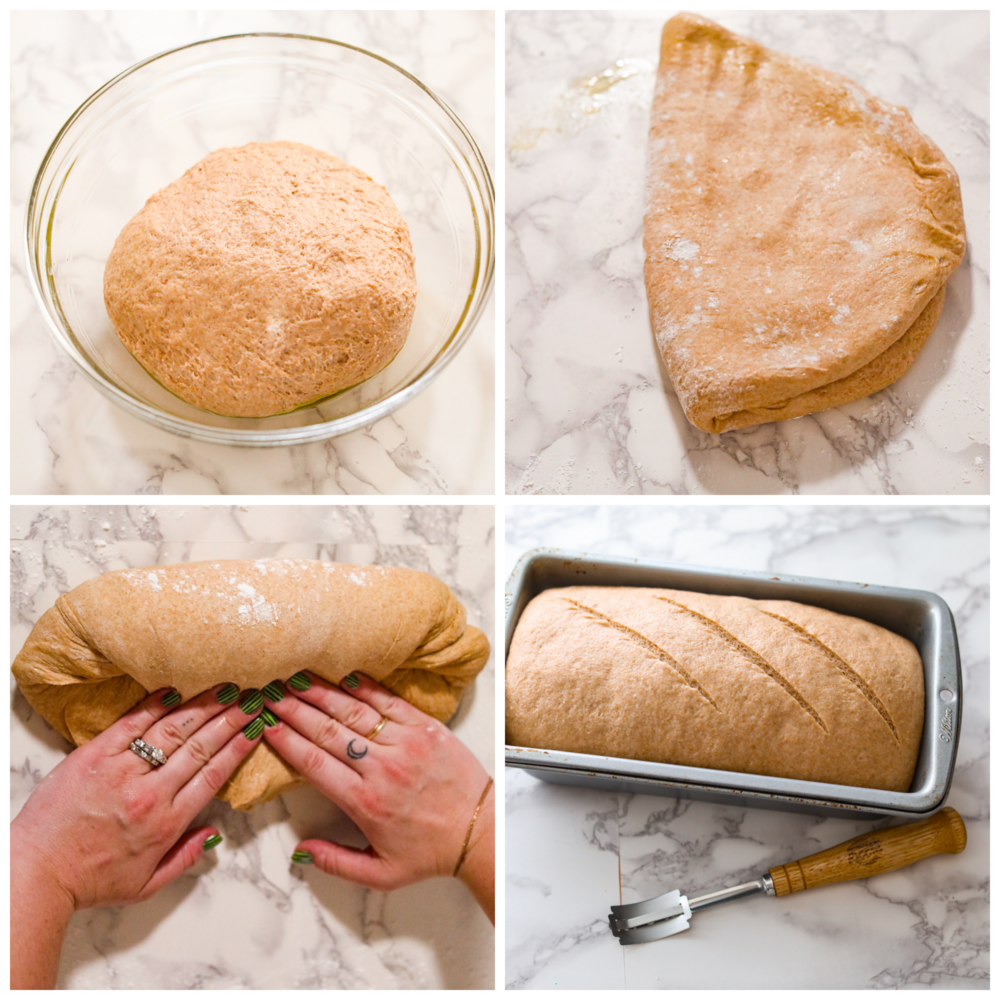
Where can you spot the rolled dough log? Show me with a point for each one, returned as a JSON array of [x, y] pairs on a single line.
[[113, 639]]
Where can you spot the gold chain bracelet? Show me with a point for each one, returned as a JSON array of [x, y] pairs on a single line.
[[468, 834]]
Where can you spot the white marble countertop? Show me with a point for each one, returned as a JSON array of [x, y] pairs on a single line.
[[67, 438], [246, 918], [571, 851], [589, 408]]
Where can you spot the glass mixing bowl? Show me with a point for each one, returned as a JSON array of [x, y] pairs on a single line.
[[153, 122]]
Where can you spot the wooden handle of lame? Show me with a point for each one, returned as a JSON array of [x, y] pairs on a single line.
[[873, 853]]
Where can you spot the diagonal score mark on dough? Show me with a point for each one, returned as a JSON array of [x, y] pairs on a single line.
[[661, 654], [752, 655], [842, 665]]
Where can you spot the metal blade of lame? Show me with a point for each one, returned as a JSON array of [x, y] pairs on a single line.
[[662, 916], [652, 919]]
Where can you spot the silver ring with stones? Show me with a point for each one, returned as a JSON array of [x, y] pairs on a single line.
[[150, 754]]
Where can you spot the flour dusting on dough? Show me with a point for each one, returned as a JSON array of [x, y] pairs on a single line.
[[665, 334], [258, 610], [680, 249]]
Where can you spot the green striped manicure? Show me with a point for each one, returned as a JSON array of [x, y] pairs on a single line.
[[251, 701], [227, 695], [270, 719], [253, 729], [302, 857], [274, 691], [299, 682], [170, 699], [211, 842], [351, 681]]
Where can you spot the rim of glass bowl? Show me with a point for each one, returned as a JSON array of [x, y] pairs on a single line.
[[481, 197]]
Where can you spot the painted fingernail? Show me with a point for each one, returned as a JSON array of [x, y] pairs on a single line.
[[211, 842], [227, 695], [253, 729], [251, 701], [170, 699], [302, 857], [299, 682], [274, 691], [350, 681], [270, 719]]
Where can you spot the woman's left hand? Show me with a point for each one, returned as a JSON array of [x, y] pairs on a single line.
[[107, 827]]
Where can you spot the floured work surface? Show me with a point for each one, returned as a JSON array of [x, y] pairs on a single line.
[[798, 231], [761, 687]]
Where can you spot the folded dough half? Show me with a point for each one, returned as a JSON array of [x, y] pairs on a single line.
[[798, 231], [110, 641]]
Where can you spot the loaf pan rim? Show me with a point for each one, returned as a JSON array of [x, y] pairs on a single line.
[[930, 796]]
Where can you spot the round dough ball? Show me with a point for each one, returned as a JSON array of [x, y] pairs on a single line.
[[268, 277]]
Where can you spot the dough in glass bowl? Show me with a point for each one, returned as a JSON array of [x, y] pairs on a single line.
[[268, 277]]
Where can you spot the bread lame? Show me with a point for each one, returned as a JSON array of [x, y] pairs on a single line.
[[869, 854]]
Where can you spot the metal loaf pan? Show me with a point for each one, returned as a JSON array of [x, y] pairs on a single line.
[[920, 616]]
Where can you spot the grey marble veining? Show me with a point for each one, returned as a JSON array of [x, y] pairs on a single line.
[[246, 918], [66, 438], [589, 407], [572, 851]]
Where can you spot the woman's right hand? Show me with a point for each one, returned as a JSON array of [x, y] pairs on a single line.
[[413, 788]]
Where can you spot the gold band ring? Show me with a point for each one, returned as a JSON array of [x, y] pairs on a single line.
[[378, 728]]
